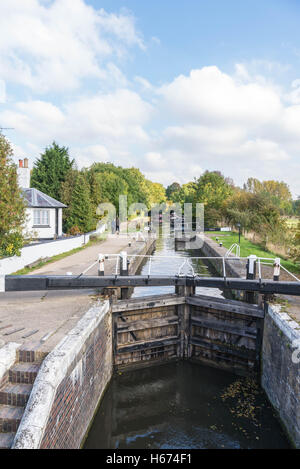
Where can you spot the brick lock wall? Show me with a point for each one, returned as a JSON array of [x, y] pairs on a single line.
[[79, 393], [280, 375]]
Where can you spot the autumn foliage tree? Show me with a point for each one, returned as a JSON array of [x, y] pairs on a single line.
[[277, 192], [12, 204], [295, 250]]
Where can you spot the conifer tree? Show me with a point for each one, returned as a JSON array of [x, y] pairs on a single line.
[[50, 171], [81, 217], [12, 204], [67, 188]]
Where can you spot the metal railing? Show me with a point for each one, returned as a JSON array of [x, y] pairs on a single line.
[[234, 249], [191, 269], [186, 270]]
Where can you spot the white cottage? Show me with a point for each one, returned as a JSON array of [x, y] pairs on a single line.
[[44, 214]]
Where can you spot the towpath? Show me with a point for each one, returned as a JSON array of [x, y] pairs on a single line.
[[29, 317]]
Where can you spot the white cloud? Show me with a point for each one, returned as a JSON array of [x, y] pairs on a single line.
[[263, 150], [145, 84], [91, 153], [122, 26], [243, 124], [104, 127], [112, 118], [208, 96], [34, 120], [54, 45], [239, 124], [294, 96], [18, 151], [107, 117], [207, 120]]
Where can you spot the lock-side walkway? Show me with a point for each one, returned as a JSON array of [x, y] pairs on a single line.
[[41, 319]]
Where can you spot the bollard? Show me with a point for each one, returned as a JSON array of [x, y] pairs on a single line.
[[221, 244], [124, 272], [100, 265], [276, 269], [251, 275], [251, 267], [124, 263]]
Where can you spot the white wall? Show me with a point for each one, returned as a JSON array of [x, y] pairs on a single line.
[[60, 213], [24, 177], [43, 233], [40, 233], [35, 252]]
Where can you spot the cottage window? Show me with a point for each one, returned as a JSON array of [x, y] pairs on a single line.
[[41, 218]]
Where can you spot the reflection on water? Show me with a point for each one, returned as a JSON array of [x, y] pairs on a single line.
[[182, 406]]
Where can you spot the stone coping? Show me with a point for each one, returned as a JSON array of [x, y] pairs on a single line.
[[285, 323], [53, 370]]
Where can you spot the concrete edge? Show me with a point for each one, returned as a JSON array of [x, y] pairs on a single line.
[[218, 251], [50, 375], [289, 327], [8, 356]]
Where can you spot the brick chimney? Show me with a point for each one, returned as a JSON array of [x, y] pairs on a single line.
[[24, 174]]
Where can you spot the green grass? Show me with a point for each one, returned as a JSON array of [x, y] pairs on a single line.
[[248, 248], [292, 222], [42, 263]]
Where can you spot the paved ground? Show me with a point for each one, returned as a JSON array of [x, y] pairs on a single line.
[[293, 307], [54, 313]]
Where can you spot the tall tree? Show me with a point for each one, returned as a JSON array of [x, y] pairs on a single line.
[[157, 192], [173, 192], [12, 204], [296, 207], [80, 212], [295, 250], [256, 212], [125, 181], [212, 190], [138, 189], [278, 192], [50, 171], [67, 188], [111, 186]]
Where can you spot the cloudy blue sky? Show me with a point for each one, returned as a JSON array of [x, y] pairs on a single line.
[[173, 87]]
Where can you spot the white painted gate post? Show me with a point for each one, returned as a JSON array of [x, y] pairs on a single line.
[[276, 269], [124, 272], [100, 265]]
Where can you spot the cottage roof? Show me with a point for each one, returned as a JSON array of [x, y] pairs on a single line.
[[37, 199]]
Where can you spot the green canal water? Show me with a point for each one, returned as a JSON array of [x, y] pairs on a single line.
[[183, 405]]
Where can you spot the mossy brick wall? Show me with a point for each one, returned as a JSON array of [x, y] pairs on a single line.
[[78, 394], [70, 384], [280, 370]]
